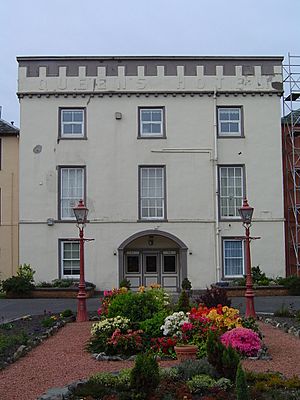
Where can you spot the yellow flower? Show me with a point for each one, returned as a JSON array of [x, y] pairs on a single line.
[[141, 289]]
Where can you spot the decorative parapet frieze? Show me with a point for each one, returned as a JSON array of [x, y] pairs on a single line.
[[149, 74]]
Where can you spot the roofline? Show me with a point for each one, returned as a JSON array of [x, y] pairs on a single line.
[[17, 130], [57, 58]]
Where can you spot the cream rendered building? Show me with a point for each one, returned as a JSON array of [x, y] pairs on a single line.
[[162, 150], [9, 199]]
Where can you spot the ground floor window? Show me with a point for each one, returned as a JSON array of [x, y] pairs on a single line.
[[70, 259], [233, 258]]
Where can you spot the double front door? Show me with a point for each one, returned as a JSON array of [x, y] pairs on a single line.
[[144, 267]]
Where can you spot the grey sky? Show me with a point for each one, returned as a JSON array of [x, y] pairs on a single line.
[[139, 27]]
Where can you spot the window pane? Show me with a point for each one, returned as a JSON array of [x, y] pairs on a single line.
[[77, 128], [67, 116], [70, 258], [151, 264], [156, 115], [78, 116], [133, 265], [155, 128], [146, 115], [234, 127], [170, 263], [231, 191]]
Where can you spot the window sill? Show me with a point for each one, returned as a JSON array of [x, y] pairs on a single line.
[[71, 138], [151, 137], [152, 220], [230, 136]]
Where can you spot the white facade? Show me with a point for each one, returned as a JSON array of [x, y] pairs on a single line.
[[81, 122]]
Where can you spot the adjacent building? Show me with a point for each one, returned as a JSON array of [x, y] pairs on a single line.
[[9, 199], [162, 150]]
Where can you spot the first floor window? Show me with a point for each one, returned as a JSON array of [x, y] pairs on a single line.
[[70, 259], [229, 121], [152, 193], [72, 123], [71, 190], [231, 191], [233, 257], [151, 122]]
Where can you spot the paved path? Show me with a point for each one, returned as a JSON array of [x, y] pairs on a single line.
[[14, 308]]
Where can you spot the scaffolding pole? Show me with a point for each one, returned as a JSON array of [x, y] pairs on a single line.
[[291, 161]]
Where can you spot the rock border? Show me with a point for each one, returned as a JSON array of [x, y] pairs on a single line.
[[292, 330], [34, 341]]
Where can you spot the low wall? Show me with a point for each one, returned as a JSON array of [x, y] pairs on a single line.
[[52, 293], [239, 291]]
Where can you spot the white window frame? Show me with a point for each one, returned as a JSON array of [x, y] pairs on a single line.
[[231, 191], [152, 199], [72, 122], [73, 199], [62, 259], [238, 133], [160, 123], [239, 258]]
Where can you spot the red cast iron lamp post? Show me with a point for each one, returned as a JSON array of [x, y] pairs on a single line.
[[246, 213], [81, 213]]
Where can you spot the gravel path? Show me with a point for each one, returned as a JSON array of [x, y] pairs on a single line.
[[61, 359], [284, 349]]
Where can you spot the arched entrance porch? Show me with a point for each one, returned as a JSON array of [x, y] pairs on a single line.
[[153, 256]]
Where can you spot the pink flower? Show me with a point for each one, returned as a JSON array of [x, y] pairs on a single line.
[[187, 326], [243, 340]]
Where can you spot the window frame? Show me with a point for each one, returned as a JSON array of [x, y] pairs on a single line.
[[244, 194], [59, 192], [231, 135], [161, 135], [233, 239], [150, 219], [72, 136], [61, 243]]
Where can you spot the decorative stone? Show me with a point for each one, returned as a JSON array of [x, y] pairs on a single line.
[[20, 352], [55, 394]]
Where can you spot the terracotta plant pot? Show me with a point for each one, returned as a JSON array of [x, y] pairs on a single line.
[[186, 352]]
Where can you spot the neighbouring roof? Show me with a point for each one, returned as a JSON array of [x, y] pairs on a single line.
[[7, 129]]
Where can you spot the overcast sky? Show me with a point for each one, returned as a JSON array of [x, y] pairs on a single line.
[[139, 27]]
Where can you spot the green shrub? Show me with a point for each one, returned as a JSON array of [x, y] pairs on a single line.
[[224, 384], [136, 306], [259, 278], [151, 326], [17, 285], [49, 321], [144, 376], [25, 271], [186, 284], [171, 373], [67, 313], [251, 323], [183, 302], [241, 384], [292, 283], [190, 368], [125, 283], [283, 311], [215, 350], [230, 362], [8, 341], [201, 383], [104, 379]]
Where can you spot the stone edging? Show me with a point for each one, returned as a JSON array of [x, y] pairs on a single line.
[[281, 325], [32, 342], [62, 393]]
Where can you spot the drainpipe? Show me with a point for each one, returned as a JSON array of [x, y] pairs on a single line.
[[215, 166]]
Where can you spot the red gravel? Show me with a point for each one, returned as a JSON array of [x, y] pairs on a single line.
[[284, 349], [61, 359], [56, 362]]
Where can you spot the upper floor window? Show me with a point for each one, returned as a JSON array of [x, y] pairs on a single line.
[[233, 258], [72, 123], [71, 190], [231, 191], [229, 121], [152, 193], [151, 122]]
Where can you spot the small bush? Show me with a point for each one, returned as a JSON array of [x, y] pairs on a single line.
[[230, 362], [125, 283], [215, 350], [17, 285], [190, 368], [144, 376], [8, 341], [25, 271], [136, 306], [186, 284], [292, 283], [284, 311], [151, 326], [67, 313], [201, 383], [183, 302], [213, 297], [241, 385], [49, 321]]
